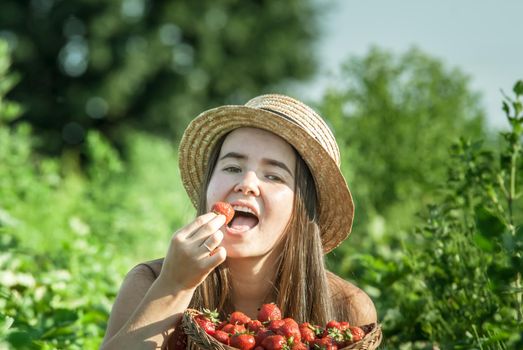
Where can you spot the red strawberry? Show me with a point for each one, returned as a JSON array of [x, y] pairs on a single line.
[[268, 312], [299, 346], [307, 332], [233, 328], [223, 208], [222, 337], [325, 343], [333, 324], [208, 326], [238, 317], [274, 342], [254, 326], [289, 329], [243, 341], [357, 333], [275, 325], [262, 334], [259, 347], [344, 325]]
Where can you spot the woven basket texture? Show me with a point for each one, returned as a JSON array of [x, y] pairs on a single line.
[[197, 339]]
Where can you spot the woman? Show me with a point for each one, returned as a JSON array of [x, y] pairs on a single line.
[[276, 161]]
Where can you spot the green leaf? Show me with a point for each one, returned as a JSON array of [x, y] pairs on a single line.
[[518, 88]]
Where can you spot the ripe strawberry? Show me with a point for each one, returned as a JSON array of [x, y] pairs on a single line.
[[274, 342], [222, 337], [269, 312], [289, 329], [333, 324], [344, 325], [275, 325], [243, 341], [254, 326], [299, 346], [325, 343], [357, 333], [238, 317], [233, 328], [223, 208], [307, 332], [208, 326], [262, 334]]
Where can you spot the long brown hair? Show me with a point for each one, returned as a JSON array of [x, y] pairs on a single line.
[[301, 286]]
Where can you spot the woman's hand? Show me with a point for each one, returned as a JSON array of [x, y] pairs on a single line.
[[189, 259]]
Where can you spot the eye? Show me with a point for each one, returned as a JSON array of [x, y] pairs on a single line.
[[274, 178], [232, 169]]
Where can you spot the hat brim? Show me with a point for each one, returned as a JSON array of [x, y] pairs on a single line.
[[336, 207]]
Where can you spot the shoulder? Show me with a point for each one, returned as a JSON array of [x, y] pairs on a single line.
[[359, 305], [151, 268], [134, 287]]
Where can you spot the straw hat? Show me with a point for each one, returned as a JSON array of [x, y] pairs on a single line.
[[301, 127]]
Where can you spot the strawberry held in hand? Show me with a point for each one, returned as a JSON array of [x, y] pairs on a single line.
[[223, 208]]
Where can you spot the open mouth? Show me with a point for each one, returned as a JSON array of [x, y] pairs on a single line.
[[243, 219]]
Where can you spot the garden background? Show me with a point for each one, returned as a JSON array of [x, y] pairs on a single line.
[[94, 96]]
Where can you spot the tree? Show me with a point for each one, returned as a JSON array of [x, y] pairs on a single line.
[[150, 64]]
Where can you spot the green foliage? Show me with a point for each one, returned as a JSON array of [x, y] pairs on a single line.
[[153, 64], [67, 239], [459, 284], [395, 117]]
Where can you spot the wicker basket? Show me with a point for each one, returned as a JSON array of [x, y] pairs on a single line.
[[197, 339]]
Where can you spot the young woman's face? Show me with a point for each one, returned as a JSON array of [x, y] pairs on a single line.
[[255, 173]]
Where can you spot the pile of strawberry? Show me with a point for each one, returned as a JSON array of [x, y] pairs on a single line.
[[271, 332]]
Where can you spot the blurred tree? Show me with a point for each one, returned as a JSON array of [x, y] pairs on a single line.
[[395, 117], [150, 64]]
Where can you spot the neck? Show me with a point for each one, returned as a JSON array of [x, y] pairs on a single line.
[[252, 282]]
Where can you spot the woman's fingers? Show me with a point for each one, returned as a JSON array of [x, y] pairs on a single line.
[[190, 229], [211, 243], [202, 233]]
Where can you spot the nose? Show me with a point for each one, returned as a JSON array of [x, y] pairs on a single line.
[[248, 184]]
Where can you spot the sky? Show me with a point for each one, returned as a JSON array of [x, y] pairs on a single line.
[[483, 38]]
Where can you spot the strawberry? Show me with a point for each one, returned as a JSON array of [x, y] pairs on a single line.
[[243, 341], [222, 337], [269, 312], [344, 325], [223, 208], [275, 325], [254, 326], [238, 317], [233, 328], [289, 329], [299, 346], [262, 334], [357, 333], [274, 342], [208, 326], [307, 332], [325, 343], [333, 324]]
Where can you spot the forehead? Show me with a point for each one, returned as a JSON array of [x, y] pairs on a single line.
[[257, 142]]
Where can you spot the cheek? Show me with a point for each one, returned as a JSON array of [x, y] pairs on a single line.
[[213, 191], [282, 203]]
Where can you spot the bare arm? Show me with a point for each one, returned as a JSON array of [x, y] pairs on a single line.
[[146, 310], [144, 313]]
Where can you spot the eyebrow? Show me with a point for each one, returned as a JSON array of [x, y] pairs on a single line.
[[268, 161]]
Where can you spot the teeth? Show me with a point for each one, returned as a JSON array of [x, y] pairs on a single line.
[[244, 209]]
